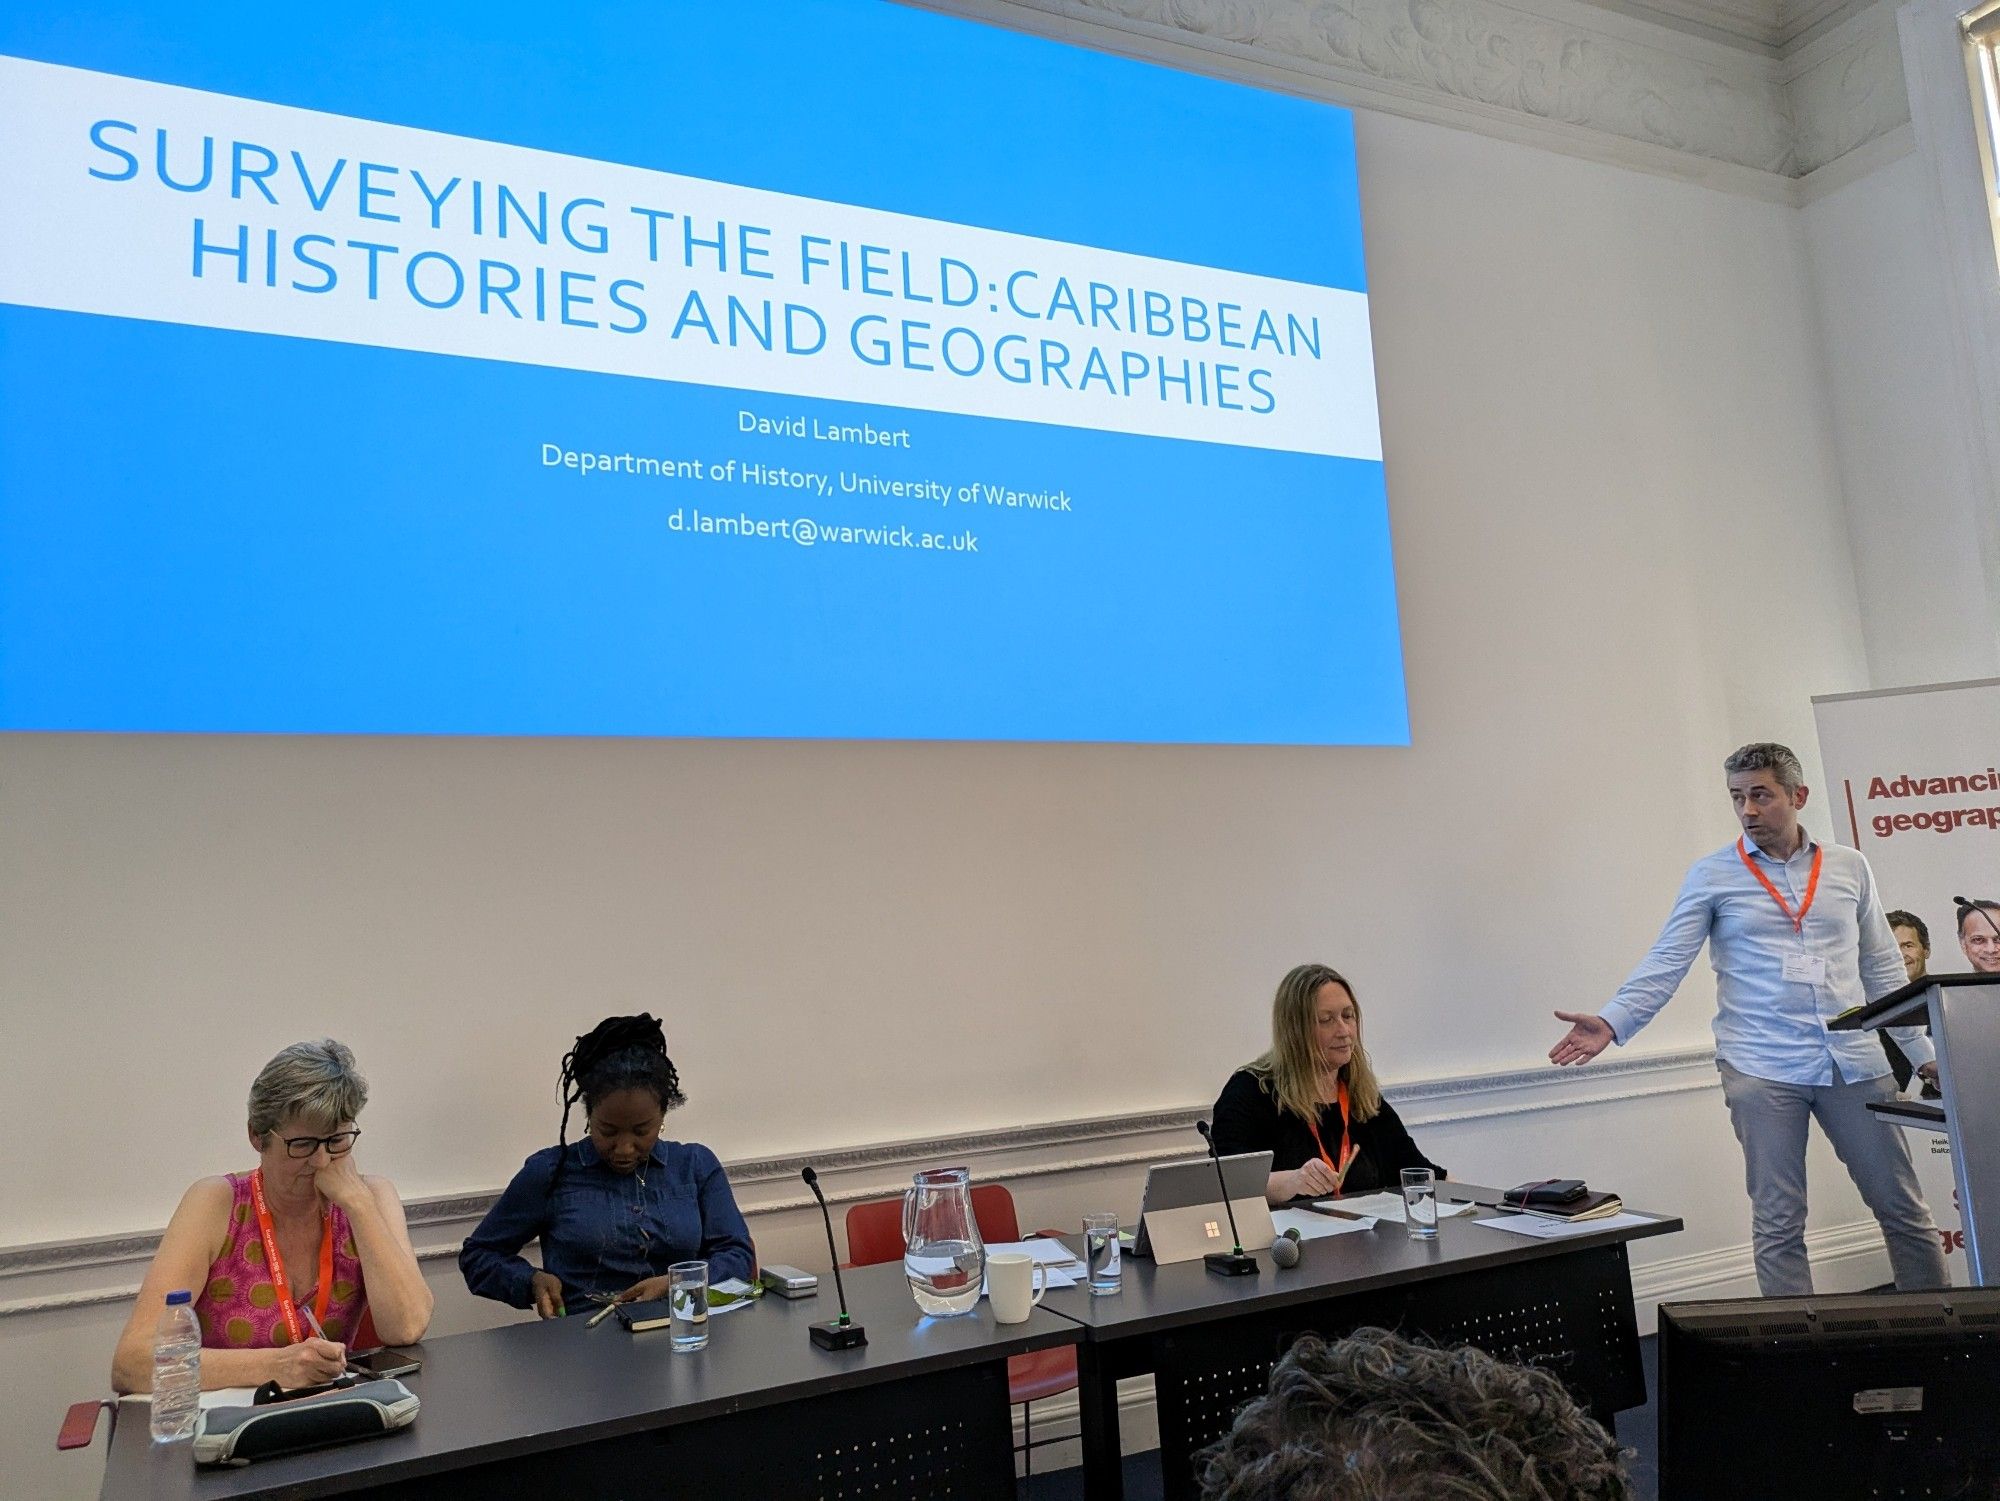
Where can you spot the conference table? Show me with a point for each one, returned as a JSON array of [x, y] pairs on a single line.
[[1210, 1341], [559, 1409]]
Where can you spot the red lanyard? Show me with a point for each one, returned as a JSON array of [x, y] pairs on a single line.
[[279, 1282], [1812, 884], [1345, 1146]]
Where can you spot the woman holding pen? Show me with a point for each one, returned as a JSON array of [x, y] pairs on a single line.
[[1312, 1100], [295, 1261]]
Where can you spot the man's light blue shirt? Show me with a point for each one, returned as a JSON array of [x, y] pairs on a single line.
[[1765, 1025]]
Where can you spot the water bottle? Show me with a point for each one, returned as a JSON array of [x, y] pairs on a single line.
[[176, 1370]]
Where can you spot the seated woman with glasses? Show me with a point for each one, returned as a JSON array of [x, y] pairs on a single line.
[[288, 1260], [614, 1210]]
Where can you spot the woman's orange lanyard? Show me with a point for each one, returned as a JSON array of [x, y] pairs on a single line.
[[1812, 885], [279, 1282], [1346, 1145]]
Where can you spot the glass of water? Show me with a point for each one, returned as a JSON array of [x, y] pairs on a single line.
[[687, 1302], [1100, 1253], [1420, 1203]]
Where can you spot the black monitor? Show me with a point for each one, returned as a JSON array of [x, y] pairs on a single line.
[[1843, 1395]]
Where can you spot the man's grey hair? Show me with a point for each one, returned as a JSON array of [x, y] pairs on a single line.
[[1768, 755], [1377, 1417], [316, 1082]]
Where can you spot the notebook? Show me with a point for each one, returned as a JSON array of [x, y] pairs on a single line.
[[656, 1313]]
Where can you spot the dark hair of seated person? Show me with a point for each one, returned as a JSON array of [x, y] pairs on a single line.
[[1377, 1417], [620, 1052]]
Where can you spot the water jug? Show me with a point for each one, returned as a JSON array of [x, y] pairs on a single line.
[[943, 1255]]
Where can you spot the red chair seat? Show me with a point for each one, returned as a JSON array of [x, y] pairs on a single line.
[[875, 1234], [1040, 1373]]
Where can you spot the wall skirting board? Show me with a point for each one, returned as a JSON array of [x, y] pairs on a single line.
[[74, 1274]]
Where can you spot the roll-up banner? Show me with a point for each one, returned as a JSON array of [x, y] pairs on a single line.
[[1913, 782]]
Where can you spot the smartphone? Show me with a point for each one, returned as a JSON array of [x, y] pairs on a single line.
[[379, 1365]]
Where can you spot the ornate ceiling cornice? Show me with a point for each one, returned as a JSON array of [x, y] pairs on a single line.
[[1692, 88]]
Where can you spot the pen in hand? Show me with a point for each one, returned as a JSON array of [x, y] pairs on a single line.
[[1340, 1173]]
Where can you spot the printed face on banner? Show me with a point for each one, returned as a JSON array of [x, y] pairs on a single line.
[[1979, 939]]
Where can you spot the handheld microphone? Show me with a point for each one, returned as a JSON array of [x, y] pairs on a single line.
[[1286, 1250], [1225, 1263], [841, 1333]]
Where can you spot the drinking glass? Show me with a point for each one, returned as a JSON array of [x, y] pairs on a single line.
[[687, 1302], [1100, 1253], [1420, 1203]]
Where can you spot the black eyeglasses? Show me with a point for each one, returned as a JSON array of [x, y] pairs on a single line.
[[337, 1145]]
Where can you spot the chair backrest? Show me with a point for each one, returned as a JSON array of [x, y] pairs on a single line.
[[875, 1229]]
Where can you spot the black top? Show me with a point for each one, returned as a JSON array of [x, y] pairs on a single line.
[[1248, 1119]]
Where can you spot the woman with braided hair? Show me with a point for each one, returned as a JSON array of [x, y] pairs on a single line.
[[614, 1210]]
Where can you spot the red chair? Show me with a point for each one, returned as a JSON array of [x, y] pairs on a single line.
[[875, 1234]]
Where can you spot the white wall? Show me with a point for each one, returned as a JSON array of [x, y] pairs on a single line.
[[1621, 552], [1911, 487]]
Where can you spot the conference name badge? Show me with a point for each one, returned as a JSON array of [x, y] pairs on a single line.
[[1809, 969]]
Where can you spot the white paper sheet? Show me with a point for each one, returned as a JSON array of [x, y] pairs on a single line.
[[221, 1396], [1535, 1226], [1047, 1252], [1056, 1277], [1389, 1206], [1316, 1226]]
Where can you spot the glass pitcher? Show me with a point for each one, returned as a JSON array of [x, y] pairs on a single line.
[[943, 1256]]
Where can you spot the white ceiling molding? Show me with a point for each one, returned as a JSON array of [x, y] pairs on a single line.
[[1707, 90], [1846, 88]]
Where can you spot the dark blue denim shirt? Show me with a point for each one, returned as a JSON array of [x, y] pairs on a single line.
[[603, 1231]]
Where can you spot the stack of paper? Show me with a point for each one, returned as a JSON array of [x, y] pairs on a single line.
[[1058, 1262], [1316, 1226], [1389, 1206], [1546, 1229]]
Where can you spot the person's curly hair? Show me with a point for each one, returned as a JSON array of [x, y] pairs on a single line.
[[1377, 1417]]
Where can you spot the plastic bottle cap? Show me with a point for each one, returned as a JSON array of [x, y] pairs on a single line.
[[175, 1299]]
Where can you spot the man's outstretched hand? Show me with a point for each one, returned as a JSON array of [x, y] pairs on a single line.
[[1587, 1037]]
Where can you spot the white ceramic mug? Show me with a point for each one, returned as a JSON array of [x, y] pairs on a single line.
[[1015, 1282]]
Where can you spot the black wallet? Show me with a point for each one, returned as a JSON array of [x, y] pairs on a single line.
[[1550, 1193]]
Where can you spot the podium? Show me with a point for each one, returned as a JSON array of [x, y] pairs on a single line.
[[1964, 1016]]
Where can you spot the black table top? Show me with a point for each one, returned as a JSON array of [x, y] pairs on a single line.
[[1156, 1297], [532, 1387]]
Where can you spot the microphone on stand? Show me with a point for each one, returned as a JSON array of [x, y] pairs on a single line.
[[841, 1333], [1964, 906], [1225, 1263]]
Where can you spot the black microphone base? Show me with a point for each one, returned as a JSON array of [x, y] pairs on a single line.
[[834, 1335], [1230, 1263]]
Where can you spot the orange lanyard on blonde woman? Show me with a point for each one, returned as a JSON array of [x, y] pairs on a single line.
[[1812, 885], [281, 1284], [1346, 1146]]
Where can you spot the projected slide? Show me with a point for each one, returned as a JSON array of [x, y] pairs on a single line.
[[781, 369]]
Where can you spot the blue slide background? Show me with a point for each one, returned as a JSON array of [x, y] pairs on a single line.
[[210, 530]]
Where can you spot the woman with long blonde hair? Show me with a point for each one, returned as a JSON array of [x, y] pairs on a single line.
[[1312, 1100]]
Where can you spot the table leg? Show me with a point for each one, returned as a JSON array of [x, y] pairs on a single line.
[[1097, 1401]]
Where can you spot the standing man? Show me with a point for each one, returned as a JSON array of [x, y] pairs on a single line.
[[1979, 935], [1796, 935]]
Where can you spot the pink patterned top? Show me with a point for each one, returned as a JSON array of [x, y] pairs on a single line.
[[238, 1309]]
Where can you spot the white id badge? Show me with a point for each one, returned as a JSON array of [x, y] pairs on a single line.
[[1809, 969]]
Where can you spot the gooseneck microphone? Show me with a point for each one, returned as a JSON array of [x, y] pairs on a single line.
[[1225, 1263], [1966, 905], [841, 1333]]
